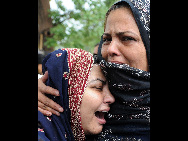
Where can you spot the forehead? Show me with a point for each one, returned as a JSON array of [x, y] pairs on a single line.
[[120, 20], [96, 72]]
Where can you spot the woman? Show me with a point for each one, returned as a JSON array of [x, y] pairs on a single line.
[[84, 95], [125, 59]]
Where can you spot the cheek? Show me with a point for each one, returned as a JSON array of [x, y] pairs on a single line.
[[90, 103], [136, 56], [92, 100], [129, 54], [134, 51]]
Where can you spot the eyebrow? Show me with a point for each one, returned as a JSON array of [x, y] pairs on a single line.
[[120, 33], [103, 82]]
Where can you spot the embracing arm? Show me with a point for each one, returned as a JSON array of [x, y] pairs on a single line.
[[45, 105]]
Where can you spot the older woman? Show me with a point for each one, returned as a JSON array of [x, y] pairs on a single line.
[[84, 94], [125, 60]]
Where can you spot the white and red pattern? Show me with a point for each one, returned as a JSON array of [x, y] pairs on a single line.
[[41, 130], [48, 118], [58, 55], [66, 75], [80, 63]]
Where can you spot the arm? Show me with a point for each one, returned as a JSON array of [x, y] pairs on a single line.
[[45, 105]]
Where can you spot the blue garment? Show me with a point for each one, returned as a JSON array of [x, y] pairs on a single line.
[[56, 128]]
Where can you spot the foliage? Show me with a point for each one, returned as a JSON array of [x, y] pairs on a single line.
[[79, 28]]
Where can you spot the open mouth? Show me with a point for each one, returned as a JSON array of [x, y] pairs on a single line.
[[101, 116]]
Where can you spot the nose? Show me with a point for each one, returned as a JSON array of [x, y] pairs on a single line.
[[113, 49], [108, 98]]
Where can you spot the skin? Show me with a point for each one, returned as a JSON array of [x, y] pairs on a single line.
[[96, 97], [40, 68], [45, 104], [122, 41]]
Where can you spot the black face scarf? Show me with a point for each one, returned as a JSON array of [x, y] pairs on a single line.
[[129, 116]]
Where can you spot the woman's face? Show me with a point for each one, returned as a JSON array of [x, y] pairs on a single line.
[[95, 102], [122, 41]]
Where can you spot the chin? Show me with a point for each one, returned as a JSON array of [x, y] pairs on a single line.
[[97, 131], [94, 131]]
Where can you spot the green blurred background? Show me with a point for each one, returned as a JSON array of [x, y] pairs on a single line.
[[71, 24]]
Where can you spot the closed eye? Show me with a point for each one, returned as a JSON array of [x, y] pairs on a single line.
[[97, 84], [99, 88]]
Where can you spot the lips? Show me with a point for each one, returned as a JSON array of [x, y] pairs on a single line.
[[100, 116], [117, 62]]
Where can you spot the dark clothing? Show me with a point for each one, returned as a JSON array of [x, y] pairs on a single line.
[[55, 128], [129, 117]]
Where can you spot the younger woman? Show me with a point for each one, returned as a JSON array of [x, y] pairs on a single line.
[[84, 95]]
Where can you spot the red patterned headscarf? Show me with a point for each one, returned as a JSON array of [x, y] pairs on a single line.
[[80, 64]]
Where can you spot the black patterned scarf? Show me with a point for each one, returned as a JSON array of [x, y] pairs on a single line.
[[129, 117]]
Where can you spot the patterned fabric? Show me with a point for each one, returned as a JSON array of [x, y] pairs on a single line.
[[68, 71], [80, 64], [144, 9], [129, 116]]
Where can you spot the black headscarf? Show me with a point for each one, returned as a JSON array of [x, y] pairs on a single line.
[[129, 117]]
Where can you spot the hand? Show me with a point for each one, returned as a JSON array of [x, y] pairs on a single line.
[[46, 105]]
